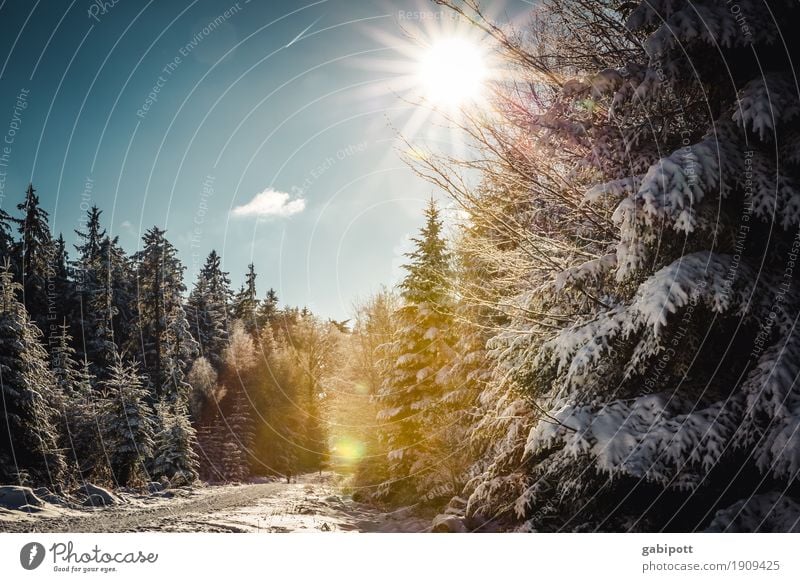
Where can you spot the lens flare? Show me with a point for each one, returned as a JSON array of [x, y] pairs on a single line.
[[348, 450]]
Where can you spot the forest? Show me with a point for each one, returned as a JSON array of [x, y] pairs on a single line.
[[596, 329]]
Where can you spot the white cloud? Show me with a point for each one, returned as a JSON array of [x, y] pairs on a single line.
[[270, 203], [127, 226]]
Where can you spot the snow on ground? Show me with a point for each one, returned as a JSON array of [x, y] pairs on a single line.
[[313, 504]]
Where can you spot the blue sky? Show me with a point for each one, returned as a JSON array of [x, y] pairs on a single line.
[[265, 130]]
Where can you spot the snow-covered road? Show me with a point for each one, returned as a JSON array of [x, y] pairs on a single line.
[[311, 504]]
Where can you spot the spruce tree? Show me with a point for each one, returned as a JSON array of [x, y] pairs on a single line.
[[163, 338], [175, 445], [410, 396], [207, 310], [29, 438], [6, 238], [127, 423], [268, 309], [35, 257], [167, 349], [93, 307], [245, 304], [73, 387], [105, 291], [90, 241], [113, 313], [61, 291], [180, 349]]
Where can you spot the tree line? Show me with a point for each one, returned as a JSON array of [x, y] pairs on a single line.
[[112, 373]]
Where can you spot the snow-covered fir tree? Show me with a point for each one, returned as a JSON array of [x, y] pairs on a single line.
[[75, 395], [180, 349], [410, 395], [163, 340], [113, 303], [6, 236], [60, 288], [268, 309], [29, 439], [105, 290], [34, 257], [168, 350], [246, 303], [127, 423], [93, 313], [208, 309], [175, 454], [466, 375]]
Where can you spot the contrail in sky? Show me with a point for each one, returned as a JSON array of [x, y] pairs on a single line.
[[305, 30]]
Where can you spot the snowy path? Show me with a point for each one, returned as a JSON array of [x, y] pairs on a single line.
[[312, 504]]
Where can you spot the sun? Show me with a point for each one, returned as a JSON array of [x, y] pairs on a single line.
[[452, 72], [441, 72]]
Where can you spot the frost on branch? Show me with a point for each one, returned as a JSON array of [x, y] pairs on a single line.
[[590, 270], [767, 512], [765, 103], [649, 437], [497, 487], [712, 280], [773, 195], [770, 428], [673, 190], [615, 189], [674, 185]]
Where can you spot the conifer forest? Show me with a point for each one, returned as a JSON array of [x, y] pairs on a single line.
[[593, 328]]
